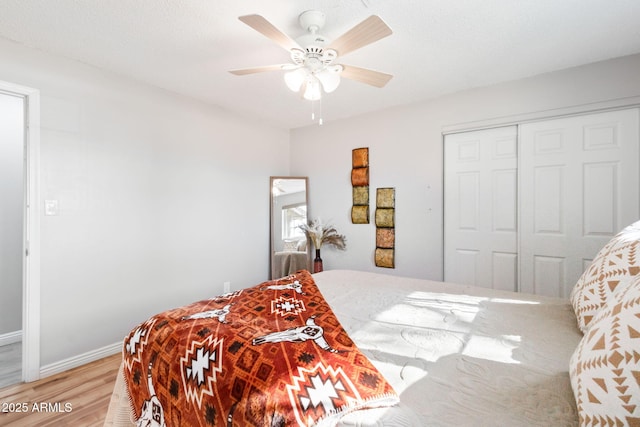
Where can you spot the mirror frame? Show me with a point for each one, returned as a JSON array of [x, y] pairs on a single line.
[[272, 179]]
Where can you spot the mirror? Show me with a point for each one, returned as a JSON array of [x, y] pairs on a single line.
[[290, 250]]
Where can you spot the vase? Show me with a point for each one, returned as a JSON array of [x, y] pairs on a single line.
[[317, 262]]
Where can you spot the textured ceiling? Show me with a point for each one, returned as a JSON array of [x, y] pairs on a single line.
[[438, 46]]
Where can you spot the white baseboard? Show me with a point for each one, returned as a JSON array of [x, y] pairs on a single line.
[[79, 360], [10, 338]]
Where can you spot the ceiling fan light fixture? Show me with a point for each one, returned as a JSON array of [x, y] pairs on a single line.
[[312, 90], [330, 78], [294, 79]]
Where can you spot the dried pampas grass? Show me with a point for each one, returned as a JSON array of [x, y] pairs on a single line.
[[320, 234]]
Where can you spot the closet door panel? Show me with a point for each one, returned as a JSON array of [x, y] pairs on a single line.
[[600, 198], [578, 187], [548, 199], [504, 200], [481, 208], [468, 184], [548, 272], [504, 271]]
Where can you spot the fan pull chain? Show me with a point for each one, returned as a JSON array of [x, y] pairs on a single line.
[[313, 111]]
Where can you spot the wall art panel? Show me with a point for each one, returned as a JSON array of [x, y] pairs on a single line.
[[385, 227], [360, 184]]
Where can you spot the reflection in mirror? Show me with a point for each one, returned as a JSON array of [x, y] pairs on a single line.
[[289, 248]]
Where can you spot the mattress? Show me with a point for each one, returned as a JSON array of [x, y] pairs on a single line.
[[456, 355]]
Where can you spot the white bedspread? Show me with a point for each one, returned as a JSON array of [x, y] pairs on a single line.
[[456, 355], [459, 355]]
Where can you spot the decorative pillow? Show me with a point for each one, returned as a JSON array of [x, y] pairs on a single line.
[[617, 260], [290, 246], [605, 368]]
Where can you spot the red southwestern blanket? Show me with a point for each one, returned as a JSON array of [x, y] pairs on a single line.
[[270, 355]]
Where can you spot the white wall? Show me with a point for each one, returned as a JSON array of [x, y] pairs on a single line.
[[11, 212], [405, 152], [148, 187]]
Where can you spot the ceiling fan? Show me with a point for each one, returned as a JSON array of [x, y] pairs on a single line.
[[314, 66]]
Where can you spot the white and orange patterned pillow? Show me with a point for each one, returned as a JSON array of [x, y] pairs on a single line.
[[617, 260], [605, 368]]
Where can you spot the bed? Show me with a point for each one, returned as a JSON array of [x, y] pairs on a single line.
[[368, 349], [455, 355]]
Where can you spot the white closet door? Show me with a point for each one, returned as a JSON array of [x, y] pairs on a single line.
[[480, 208], [578, 187]]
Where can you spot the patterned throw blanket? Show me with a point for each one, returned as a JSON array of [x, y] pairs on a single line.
[[270, 355]]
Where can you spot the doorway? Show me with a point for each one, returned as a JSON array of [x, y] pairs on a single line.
[[20, 229], [12, 180]]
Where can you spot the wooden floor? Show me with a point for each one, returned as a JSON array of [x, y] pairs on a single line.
[[78, 397], [10, 364]]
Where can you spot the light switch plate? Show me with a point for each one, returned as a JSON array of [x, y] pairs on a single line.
[[51, 207]]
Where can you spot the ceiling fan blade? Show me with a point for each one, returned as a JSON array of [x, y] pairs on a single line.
[[245, 71], [364, 75], [368, 31], [267, 29]]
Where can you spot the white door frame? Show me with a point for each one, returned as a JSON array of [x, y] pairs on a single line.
[[31, 242]]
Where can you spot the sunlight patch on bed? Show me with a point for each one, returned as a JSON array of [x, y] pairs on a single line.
[[513, 301], [492, 348], [435, 310], [440, 298], [433, 326]]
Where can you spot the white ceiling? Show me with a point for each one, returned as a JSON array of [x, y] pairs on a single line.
[[438, 46]]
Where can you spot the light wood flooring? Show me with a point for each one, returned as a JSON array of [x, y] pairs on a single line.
[[10, 364], [78, 397]]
